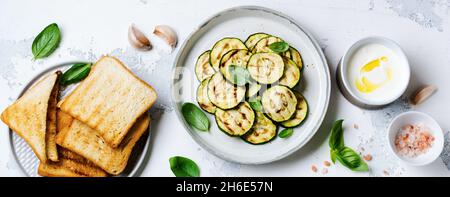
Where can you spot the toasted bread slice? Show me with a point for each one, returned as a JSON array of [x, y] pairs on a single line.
[[50, 136], [81, 139], [27, 116], [56, 170], [109, 100], [70, 165]]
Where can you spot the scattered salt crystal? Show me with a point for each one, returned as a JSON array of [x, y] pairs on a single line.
[[368, 157], [324, 170], [314, 168]]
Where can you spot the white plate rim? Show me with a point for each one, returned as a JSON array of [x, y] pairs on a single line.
[[318, 50]]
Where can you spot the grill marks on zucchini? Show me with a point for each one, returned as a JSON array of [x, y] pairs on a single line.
[[266, 68], [291, 75], [237, 121], [202, 97], [296, 57], [203, 68], [237, 57], [254, 38], [262, 131], [279, 103], [223, 46], [300, 114], [262, 46], [224, 94]]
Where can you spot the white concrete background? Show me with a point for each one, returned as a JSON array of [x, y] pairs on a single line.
[[92, 28]]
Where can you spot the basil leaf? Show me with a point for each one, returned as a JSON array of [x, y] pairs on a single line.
[[239, 75], [46, 42], [279, 47], [350, 159], [76, 73], [333, 155], [183, 167], [255, 104], [286, 133], [195, 117], [337, 135]]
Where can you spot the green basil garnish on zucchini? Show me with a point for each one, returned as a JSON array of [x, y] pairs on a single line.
[[76, 73], [195, 117], [46, 42], [279, 47], [255, 103], [183, 167], [286, 133]]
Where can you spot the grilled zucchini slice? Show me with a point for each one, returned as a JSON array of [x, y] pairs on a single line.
[[265, 68], [202, 97], [223, 46], [237, 121], [254, 38], [291, 75], [263, 131], [287, 54], [262, 46], [224, 94], [237, 57], [279, 103], [203, 68], [300, 113], [296, 57]]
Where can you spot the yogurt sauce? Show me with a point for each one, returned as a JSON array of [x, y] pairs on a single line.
[[375, 73]]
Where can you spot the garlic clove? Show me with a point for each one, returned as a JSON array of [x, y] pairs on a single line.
[[167, 33], [138, 40], [422, 94]]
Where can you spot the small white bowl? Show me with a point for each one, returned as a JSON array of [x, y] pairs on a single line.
[[343, 79], [413, 117]]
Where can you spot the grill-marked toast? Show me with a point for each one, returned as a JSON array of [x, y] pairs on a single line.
[[81, 139], [70, 165], [109, 100]]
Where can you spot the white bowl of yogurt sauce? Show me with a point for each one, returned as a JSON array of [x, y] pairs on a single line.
[[373, 72]]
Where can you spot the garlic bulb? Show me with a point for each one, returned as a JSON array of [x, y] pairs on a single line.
[[138, 40]]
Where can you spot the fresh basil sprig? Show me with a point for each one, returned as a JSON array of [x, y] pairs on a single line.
[[255, 104], [337, 135], [183, 167], [239, 75], [286, 133], [350, 159], [46, 42], [76, 73], [345, 155], [195, 117], [279, 47]]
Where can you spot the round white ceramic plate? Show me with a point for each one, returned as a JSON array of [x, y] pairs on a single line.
[[240, 22], [29, 163]]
